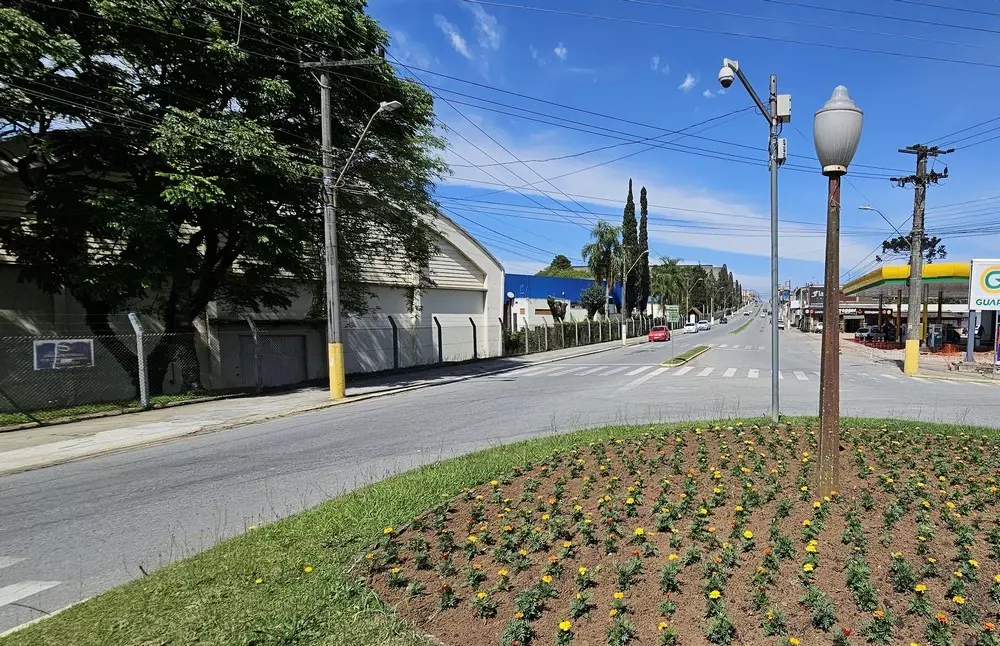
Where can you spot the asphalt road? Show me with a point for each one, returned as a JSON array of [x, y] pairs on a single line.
[[70, 531]]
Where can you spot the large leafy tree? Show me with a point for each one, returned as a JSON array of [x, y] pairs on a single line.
[[602, 253], [665, 282], [899, 247], [630, 252], [643, 268], [170, 153], [561, 267]]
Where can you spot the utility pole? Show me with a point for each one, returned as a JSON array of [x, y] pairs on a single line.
[[920, 180]]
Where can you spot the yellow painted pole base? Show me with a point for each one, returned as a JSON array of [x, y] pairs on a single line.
[[335, 353], [911, 360]]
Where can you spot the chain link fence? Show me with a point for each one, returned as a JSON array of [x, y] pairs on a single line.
[[558, 336]]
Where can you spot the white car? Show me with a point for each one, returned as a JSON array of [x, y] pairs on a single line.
[[704, 325], [690, 328]]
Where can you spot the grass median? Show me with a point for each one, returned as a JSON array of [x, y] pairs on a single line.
[[289, 582], [684, 357], [745, 325]]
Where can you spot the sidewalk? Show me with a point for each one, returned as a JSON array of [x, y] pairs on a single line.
[[31, 448], [933, 366]]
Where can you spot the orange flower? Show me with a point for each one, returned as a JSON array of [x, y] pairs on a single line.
[[941, 617], [879, 614]]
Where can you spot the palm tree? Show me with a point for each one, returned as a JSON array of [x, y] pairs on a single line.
[[601, 253], [665, 281]]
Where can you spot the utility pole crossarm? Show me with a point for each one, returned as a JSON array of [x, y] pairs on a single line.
[[355, 62]]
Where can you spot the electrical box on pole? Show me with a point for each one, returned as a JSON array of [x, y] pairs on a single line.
[[783, 110]]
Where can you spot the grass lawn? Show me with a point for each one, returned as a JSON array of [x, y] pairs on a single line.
[[686, 356], [749, 320], [70, 412], [287, 583]]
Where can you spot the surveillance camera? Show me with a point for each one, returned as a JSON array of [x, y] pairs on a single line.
[[726, 76]]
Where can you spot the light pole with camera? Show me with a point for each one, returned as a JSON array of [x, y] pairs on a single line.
[[777, 112]]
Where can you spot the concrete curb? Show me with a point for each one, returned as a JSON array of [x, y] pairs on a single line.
[[674, 363], [89, 452], [993, 382]]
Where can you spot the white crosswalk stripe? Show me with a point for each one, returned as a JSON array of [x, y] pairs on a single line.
[[591, 371], [565, 371], [753, 373], [760, 347], [683, 371], [893, 377], [780, 376], [632, 373], [7, 561], [801, 376], [613, 371], [705, 372], [17, 591], [534, 372], [643, 379], [729, 372]]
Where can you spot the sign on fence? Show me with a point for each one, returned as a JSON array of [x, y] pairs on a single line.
[[673, 313], [60, 354]]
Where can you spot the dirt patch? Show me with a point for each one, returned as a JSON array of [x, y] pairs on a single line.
[[711, 536]]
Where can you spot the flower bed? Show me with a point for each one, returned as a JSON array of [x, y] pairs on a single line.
[[711, 536]]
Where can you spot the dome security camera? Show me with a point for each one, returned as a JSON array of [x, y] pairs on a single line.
[[726, 76]]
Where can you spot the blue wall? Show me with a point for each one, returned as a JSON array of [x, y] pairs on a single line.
[[527, 286]]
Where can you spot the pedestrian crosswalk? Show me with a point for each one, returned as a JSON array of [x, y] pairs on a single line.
[[738, 346], [14, 592], [634, 375]]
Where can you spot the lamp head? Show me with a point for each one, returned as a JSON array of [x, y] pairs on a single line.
[[389, 106], [837, 132]]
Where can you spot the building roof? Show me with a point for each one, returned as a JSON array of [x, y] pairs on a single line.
[[528, 286], [950, 277]]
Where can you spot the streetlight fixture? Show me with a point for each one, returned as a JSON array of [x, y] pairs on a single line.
[[776, 112], [836, 134], [335, 347], [625, 285]]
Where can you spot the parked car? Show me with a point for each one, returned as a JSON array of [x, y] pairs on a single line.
[[781, 324], [723, 320], [746, 313], [704, 325], [690, 328], [868, 334], [659, 333]]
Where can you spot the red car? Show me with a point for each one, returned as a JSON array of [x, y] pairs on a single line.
[[659, 333]]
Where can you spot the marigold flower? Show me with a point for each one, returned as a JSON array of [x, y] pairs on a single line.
[[714, 594], [480, 595], [920, 588], [546, 579], [958, 599], [661, 626], [619, 595], [748, 534], [565, 626], [639, 531]]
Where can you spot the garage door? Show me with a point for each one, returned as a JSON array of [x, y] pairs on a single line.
[[282, 360]]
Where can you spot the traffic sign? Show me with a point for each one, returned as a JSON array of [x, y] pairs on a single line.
[[673, 313]]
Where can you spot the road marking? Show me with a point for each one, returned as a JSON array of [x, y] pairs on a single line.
[[729, 372], [613, 371], [563, 371], [760, 347], [893, 377], [705, 372], [723, 345], [816, 372], [801, 376], [753, 374], [11, 593], [923, 381], [780, 376], [637, 371], [534, 372], [683, 371], [7, 561], [591, 371], [643, 379]]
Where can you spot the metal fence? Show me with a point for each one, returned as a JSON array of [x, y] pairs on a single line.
[[542, 338]]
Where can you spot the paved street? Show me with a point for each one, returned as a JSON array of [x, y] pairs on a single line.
[[73, 530]]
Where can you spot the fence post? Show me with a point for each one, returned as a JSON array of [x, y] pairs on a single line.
[[503, 339], [440, 344], [562, 334], [475, 346], [545, 326], [527, 350], [140, 355], [576, 332], [600, 332], [395, 343], [257, 381]]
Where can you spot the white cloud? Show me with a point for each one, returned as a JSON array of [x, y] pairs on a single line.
[[529, 267], [688, 83], [409, 52], [700, 214], [707, 94], [721, 90], [487, 28], [655, 63], [455, 38], [561, 52], [534, 52]]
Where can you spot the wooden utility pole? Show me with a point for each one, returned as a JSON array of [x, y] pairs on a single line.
[[920, 180]]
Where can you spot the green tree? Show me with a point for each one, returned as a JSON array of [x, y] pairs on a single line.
[[665, 282], [592, 299], [176, 164], [630, 252], [601, 254], [561, 267], [899, 247], [643, 268]]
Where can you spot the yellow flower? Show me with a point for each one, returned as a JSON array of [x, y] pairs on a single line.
[[958, 574], [794, 641], [804, 488], [582, 571], [502, 572], [546, 579], [974, 563], [494, 483], [565, 626], [472, 539], [714, 594], [371, 555], [639, 531], [545, 516], [251, 528], [480, 595], [630, 501], [518, 615], [395, 570], [816, 505], [920, 588], [674, 557], [808, 567], [811, 549], [661, 626], [307, 569], [996, 578], [567, 544], [612, 612], [387, 531], [739, 507], [259, 581], [958, 599], [806, 523], [619, 595], [748, 534]]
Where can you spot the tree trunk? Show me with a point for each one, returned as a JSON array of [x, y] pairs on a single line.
[[175, 348], [96, 315]]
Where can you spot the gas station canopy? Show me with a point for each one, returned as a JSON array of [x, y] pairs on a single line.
[[952, 278]]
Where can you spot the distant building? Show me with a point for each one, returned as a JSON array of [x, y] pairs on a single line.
[[530, 307]]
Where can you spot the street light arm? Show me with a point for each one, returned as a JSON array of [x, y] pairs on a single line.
[[749, 88], [357, 145]]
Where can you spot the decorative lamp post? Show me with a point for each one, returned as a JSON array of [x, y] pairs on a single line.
[[836, 133]]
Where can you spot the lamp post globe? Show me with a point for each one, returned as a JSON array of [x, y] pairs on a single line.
[[837, 132]]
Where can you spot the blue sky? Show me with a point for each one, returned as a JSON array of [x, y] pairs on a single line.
[[650, 77]]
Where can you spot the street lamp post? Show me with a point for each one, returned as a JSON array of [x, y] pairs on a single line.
[[777, 111], [335, 347], [836, 133], [625, 285]]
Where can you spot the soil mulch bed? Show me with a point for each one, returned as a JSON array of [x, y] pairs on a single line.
[[711, 536]]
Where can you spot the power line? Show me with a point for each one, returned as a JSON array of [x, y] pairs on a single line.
[[792, 41]]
